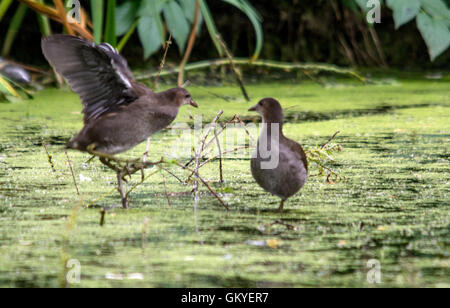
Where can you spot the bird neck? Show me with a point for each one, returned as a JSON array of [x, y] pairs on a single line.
[[273, 125], [272, 129]]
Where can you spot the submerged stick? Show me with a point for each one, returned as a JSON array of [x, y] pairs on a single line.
[[207, 186], [220, 156], [71, 171], [236, 71], [102, 216], [50, 158], [165, 190]]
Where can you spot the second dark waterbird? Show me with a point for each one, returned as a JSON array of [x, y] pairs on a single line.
[[119, 113], [279, 165]]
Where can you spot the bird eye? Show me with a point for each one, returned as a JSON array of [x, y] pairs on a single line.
[[188, 96], [260, 103]]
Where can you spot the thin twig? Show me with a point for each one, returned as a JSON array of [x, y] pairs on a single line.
[[71, 171], [165, 190], [329, 140], [236, 71], [190, 44], [163, 61], [63, 15], [172, 174], [282, 223], [220, 156], [207, 186], [50, 158]]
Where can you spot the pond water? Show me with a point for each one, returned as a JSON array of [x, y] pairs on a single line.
[[392, 208]]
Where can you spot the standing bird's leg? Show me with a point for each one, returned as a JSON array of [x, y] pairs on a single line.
[[123, 195], [144, 158], [280, 209]]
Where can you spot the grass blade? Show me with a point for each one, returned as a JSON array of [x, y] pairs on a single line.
[[13, 29], [4, 6], [44, 23], [6, 88]]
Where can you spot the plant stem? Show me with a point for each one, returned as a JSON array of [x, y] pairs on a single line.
[[190, 44], [259, 63], [97, 19]]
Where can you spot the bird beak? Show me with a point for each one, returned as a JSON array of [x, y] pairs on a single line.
[[253, 108], [193, 104]]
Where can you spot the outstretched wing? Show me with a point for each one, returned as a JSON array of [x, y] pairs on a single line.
[[97, 73]]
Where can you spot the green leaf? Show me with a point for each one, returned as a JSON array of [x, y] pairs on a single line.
[[153, 8], [176, 23], [351, 4], [149, 35], [255, 19], [4, 6], [97, 19], [211, 25], [436, 34], [188, 7], [125, 16], [438, 9], [404, 10], [110, 26], [363, 4], [6, 88]]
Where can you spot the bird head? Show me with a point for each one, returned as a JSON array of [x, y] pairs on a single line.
[[270, 109], [183, 97]]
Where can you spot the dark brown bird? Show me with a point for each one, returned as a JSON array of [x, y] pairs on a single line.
[[279, 164], [119, 113]]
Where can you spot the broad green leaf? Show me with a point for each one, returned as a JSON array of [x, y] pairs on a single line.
[[188, 7], [435, 32], [153, 8], [438, 9], [149, 35], [363, 4], [126, 16], [176, 23], [404, 10]]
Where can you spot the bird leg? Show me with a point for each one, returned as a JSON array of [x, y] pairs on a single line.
[[144, 158], [123, 195], [280, 209]]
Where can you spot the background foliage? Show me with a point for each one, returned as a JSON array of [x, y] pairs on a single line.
[[412, 32]]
